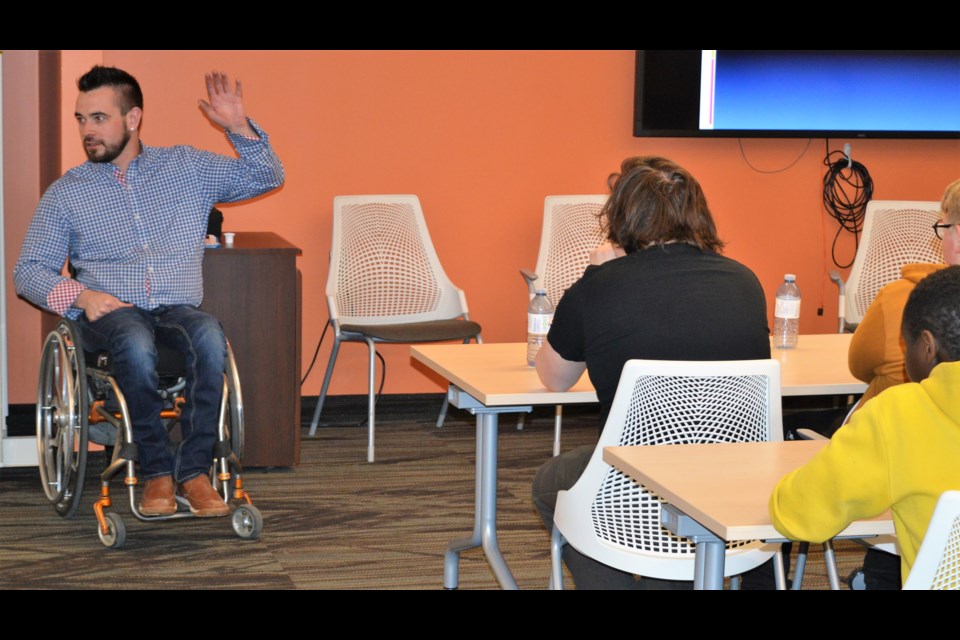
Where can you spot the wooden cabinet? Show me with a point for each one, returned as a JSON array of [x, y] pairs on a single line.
[[254, 289]]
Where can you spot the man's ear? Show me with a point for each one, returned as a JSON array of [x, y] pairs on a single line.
[[133, 118]]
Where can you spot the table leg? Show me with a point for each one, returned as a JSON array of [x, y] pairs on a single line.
[[711, 551], [488, 502], [714, 556], [451, 558], [485, 506]]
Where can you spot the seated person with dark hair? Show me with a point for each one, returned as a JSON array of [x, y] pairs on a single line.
[[660, 290], [900, 450], [132, 221]]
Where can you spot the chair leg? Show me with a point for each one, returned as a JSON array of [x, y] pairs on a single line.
[[556, 430], [779, 575], [802, 550], [371, 399], [443, 409], [831, 561], [556, 559], [521, 417], [326, 384]]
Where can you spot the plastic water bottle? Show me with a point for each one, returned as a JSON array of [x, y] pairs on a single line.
[[786, 315], [539, 318]]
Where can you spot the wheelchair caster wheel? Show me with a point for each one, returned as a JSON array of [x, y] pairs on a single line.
[[247, 521], [116, 531]]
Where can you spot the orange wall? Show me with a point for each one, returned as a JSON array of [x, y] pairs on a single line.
[[482, 137]]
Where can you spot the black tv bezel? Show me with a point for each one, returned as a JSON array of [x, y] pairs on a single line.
[[693, 130]]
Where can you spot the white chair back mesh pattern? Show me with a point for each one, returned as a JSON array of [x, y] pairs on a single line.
[[383, 266], [894, 234], [385, 270], [937, 565], [948, 571], [571, 230], [664, 410]]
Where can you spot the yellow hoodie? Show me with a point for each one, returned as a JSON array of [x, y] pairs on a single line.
[[900, 451]]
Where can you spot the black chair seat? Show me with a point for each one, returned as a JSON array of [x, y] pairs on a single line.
[[431, 331]]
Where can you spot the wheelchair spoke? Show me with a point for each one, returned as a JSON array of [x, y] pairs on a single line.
[[61, 420]]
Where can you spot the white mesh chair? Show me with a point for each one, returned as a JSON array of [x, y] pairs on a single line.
[[386, 285], [571, 229], [895, 233], [938, 562], [609, 517]]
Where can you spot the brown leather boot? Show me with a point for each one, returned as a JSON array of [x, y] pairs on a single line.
[[204, 501], [157, 498]]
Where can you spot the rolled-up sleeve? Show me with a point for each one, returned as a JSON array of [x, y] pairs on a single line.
[[37, 273]]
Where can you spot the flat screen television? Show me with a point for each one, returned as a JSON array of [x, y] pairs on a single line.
[[797, 94]]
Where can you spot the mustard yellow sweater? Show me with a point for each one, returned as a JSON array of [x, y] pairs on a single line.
[[876, 353], [899, 451]]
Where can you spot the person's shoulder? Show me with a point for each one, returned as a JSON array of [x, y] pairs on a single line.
[[74, 178], [895, 292], [727, 260], [162, 153], [731, 266], [917, 271]]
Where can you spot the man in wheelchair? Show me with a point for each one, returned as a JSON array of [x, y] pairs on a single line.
[[131, 221]]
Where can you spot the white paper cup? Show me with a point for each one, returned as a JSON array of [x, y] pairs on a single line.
[[228, 239]]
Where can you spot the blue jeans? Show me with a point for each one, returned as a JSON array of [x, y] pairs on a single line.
[[131, 335]]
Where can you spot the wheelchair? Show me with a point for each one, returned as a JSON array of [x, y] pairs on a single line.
[[79, 403]]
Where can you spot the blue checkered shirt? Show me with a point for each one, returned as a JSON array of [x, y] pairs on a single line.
[[137, 235]]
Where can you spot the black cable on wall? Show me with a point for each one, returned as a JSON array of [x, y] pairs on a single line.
[[847, 188]]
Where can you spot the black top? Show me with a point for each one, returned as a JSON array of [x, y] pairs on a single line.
[[670, 302]]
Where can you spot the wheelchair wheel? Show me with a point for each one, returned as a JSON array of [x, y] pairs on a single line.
[[62, 429], [235, 405], [116, 533], [232, 414], [247, 521]]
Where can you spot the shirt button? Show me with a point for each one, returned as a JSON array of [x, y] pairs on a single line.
[[146, 246], [136, 216], [149, 269]]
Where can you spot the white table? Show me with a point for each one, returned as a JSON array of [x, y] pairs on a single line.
[[494, 378], [720, 493]]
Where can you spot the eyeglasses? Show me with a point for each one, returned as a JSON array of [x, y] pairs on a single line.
[[942, 225]]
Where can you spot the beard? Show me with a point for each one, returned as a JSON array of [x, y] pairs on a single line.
[[107, 152]]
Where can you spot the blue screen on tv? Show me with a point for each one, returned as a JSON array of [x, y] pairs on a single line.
[[837, 90]]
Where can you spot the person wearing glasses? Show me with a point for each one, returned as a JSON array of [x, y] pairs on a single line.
[[877, 354], [899, 451]]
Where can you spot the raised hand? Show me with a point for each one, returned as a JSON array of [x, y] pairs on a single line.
[[225, 106]]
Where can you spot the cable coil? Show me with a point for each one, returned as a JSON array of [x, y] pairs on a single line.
[[847, 188]]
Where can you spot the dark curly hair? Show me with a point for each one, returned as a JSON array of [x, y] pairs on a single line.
[[128, 89], [653, 200], [934, 305]]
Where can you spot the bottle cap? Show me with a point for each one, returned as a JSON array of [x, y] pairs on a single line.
[[789, 277], [541, 292]]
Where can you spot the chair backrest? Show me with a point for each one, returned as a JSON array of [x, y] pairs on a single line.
[[895, 233], [571, 228], [383, 266], [938, 562], [617, 520]]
